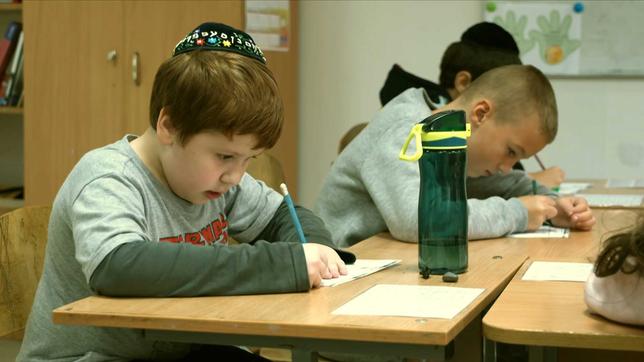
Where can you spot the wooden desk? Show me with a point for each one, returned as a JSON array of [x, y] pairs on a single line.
[[303, 321], [553, 314]]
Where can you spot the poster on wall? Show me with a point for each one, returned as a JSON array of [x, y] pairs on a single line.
[[268, 22], [548, 34], [578, 38]]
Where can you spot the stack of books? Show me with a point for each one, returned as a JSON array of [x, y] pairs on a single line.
[[11, 64]]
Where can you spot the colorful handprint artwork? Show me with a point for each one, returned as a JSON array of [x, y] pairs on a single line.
[[548, 35], [553, 37]]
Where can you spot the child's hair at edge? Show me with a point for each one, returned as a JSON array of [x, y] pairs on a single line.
[[616, 250], [517, 91], [473, 58], [226, 92]]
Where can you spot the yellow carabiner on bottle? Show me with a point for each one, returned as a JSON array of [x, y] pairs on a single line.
[[415, 133]]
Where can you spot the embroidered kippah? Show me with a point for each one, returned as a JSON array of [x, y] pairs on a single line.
[[217, 36]]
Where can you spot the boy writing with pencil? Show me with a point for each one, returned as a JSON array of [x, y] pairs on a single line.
[[369, 190], [483, 46], [151, 216]]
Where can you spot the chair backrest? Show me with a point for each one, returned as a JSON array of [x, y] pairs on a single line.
[[268, 169], [23, 236]]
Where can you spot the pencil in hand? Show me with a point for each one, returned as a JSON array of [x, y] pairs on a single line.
[[543, 168], [291, 209]]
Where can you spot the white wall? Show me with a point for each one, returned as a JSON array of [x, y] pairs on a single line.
[[347, 48]]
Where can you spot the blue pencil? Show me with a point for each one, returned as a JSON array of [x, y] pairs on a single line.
[[291, 209]]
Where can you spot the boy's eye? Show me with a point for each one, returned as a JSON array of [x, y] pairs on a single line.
[[224, 157], [511, 152]]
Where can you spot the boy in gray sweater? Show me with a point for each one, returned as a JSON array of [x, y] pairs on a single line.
[[369, 190], [151, 216]]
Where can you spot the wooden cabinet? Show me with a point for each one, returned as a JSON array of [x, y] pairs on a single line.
[[78, 78]]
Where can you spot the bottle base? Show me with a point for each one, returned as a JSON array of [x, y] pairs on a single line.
[[426, 272]]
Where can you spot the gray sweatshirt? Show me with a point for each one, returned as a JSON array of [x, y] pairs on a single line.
[[115, 230], [369, 189]]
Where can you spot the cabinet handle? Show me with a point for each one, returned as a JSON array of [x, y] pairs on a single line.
[[136, 78], [111, 55]]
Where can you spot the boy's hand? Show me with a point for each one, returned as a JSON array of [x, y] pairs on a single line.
[[322, 262], [540, 208], [574, 212]]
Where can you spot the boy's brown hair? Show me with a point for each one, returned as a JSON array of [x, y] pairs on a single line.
[[219, 91], [517, 90]]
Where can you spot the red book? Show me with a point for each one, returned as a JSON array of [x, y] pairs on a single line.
[[8, 44]]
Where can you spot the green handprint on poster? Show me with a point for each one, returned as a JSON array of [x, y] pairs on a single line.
[[517, 29], [553, 39]]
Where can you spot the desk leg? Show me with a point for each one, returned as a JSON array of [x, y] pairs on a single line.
[[489, 350], [304, 355], [542, 354]]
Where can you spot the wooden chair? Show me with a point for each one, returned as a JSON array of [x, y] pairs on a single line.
[[268, 169], [23, 236]]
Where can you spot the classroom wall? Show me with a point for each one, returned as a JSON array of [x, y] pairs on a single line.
[[347, 48]]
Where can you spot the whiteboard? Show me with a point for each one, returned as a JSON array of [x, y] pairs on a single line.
[[602, 38]]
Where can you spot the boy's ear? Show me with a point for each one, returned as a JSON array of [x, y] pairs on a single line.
[[165, 130], [462, 80], [481, 111]]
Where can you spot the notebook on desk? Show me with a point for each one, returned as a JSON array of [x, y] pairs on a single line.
[[613, 200]]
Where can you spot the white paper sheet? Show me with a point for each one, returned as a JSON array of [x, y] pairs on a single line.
[[359, 269], [558, 271], [607, 200], [571, 188], [625, 183], [411, 301], [544, 231]]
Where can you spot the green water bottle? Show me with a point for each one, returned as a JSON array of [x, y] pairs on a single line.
[[442, 203]]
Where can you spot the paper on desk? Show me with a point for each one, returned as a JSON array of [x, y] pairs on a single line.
[[625, 183], [359, 269], [571, 188], [608, 200], [544, 231], [411, 301], [558, 271]]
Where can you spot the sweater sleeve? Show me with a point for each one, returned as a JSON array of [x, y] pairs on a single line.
[[155, 269], [168, 269], [132, 269], [513, 184], [281, 227]]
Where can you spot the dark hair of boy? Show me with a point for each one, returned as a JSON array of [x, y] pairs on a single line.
[[245, 101], [482, 47]]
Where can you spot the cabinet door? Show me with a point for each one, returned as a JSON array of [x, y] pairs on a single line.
[[73, 93]]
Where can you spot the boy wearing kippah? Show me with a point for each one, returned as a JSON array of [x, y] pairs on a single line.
[[151, 216], [483, 46], [369, 190]]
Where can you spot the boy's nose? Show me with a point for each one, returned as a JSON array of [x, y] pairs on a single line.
[[506, 167], [233, 175]]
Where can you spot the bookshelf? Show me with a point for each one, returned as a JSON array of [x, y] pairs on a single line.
[[11, 131]]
